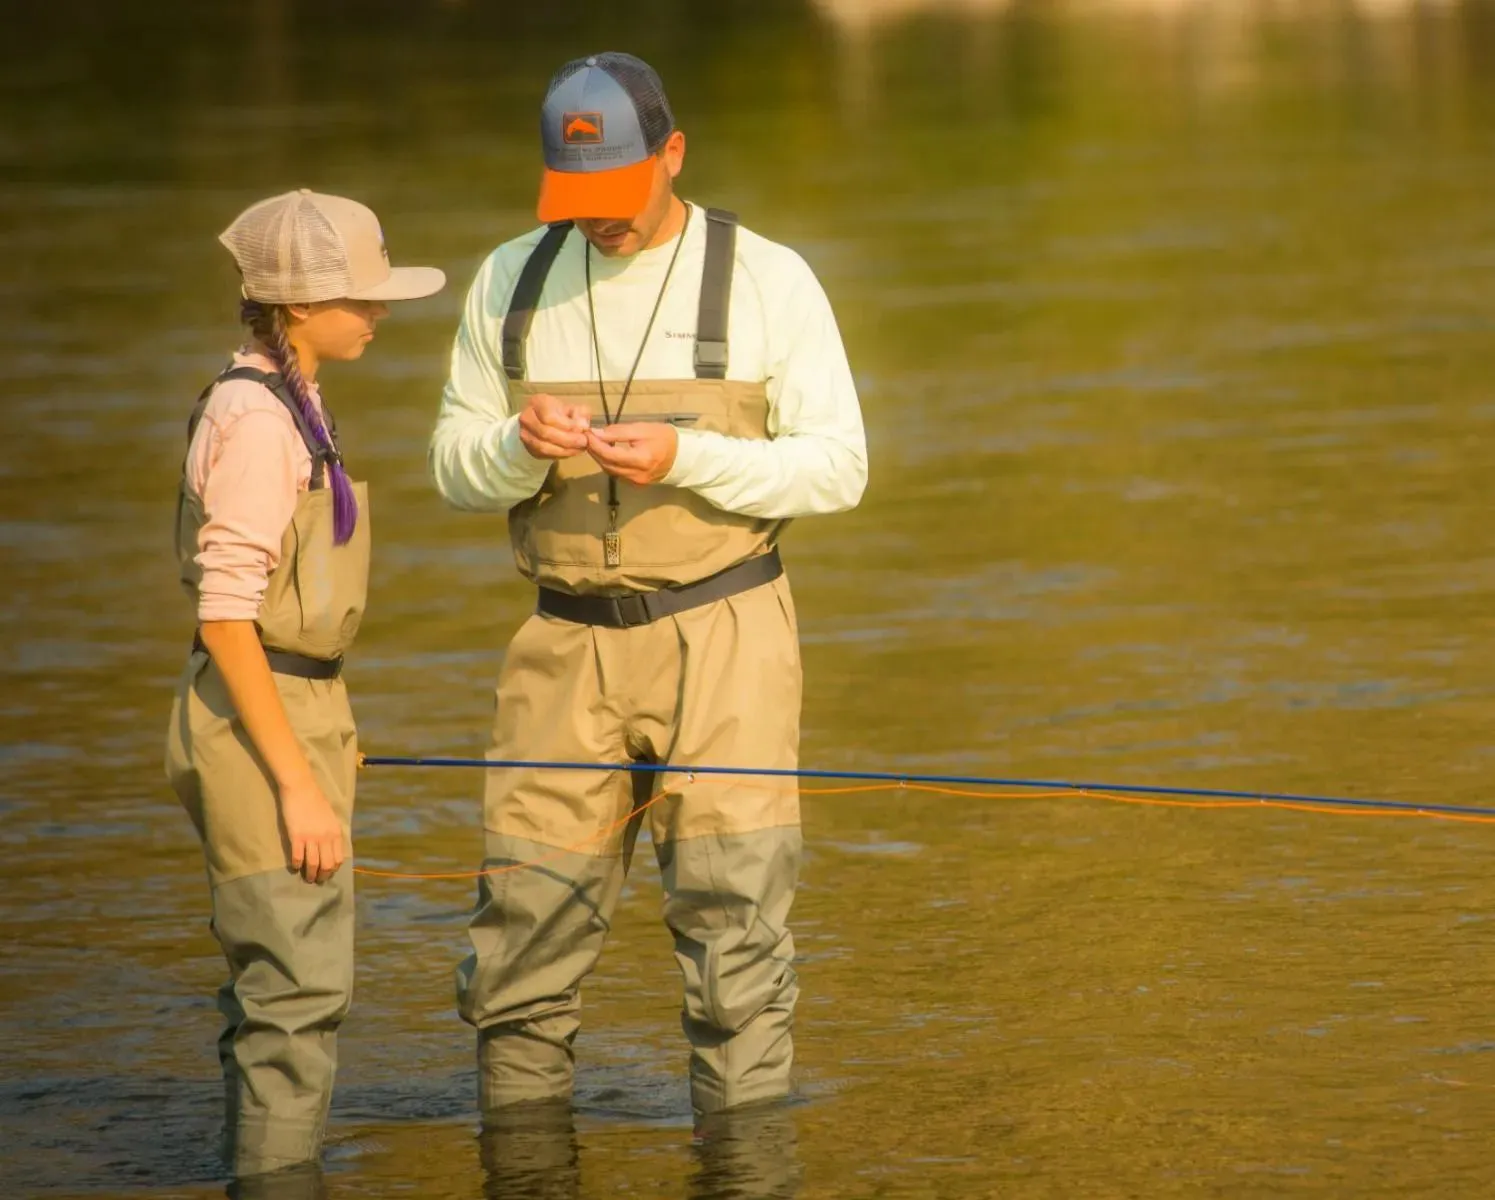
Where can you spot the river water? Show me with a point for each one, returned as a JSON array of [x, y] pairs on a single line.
[[1173, 330]]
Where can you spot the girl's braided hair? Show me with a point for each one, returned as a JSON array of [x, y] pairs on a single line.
[[269, 325]]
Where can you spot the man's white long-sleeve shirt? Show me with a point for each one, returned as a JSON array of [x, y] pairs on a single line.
[[781, 332]]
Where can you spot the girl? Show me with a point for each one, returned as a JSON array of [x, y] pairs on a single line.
[[273, 541]]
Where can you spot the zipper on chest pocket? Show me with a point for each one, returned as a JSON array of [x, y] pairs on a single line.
[[660, 418]]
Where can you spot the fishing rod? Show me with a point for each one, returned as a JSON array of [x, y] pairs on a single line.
[[902, 778]]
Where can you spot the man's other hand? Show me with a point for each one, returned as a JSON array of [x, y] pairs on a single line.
[[551, 428], [639, 452]]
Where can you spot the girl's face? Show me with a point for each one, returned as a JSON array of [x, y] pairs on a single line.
[[336, 330]]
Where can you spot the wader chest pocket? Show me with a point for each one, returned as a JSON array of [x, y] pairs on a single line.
[[660, 418]]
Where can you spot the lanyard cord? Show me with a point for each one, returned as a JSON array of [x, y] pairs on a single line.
[[612, 480]]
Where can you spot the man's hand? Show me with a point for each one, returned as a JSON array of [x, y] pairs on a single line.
[[550, 428], [639, 452]]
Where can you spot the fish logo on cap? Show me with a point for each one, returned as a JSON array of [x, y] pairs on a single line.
[[581, 128]]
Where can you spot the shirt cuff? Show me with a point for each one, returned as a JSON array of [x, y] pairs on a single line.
[[515, 461], [692, 454]]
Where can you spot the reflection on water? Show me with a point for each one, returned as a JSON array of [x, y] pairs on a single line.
[[294, 1183], [531, 1150], [1173, 329], [748, 1155]]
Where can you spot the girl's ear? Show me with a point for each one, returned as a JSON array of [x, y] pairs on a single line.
[[298, 312]]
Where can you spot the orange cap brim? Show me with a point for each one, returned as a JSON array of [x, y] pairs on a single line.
[[596, 195]]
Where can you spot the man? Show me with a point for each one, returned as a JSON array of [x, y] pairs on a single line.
[[651, 393]]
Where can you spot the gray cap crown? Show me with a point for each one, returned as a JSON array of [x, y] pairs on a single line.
[[603, 112]]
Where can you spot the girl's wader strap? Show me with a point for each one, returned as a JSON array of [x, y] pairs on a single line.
[[320, 454]]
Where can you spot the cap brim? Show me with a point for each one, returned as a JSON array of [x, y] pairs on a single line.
[[405, 283], [595, 195]]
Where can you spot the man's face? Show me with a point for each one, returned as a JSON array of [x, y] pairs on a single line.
[[624, 237]]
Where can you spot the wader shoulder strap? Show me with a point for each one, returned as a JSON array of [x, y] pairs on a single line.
[[521, 314], [716, 294], [276, 384], [711, 318]]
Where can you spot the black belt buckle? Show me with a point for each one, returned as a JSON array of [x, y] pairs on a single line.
[[632, 610]]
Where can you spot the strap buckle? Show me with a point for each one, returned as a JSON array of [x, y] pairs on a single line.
[[632, 610], [711, 353], [513, 357]]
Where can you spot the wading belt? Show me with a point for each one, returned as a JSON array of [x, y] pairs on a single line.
[[642, 608], [283, 662]]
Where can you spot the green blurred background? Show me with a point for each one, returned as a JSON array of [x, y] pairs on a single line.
[[1171, 323]]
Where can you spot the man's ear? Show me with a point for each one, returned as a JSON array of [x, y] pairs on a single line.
[[673, 153]]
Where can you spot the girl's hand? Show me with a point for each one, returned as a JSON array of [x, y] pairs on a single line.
[[315, 834]]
